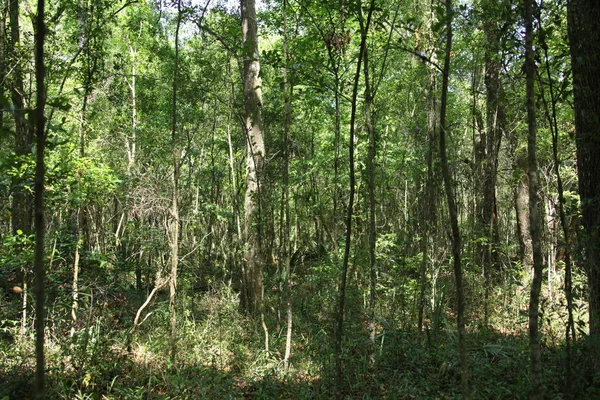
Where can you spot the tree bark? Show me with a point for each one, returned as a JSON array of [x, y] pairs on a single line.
[[22, 202], [521, 198], [174, 217], [583, 17], [489, 144], [453, 211], [339, 333], [22, 207], [38, 266], [534, 209], [372, 231], [429, 198], [552, 120], [3, 14], [255, 159], [287, 121]]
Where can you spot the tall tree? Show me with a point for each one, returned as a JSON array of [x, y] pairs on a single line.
[[583, 17], [174, 220], [551, 115], [429, 199], [339, 333], [3, 14], [452, 208], [40, 171], [488, 144], [371, 88], [534, 208], [372, 228], [255, 163], [22, 202], [287, 122]]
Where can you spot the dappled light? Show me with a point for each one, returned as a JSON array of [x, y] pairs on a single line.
[[299, 199]]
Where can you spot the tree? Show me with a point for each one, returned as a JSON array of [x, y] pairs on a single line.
[[22, 207], [551, 115], [255, 165], [452, 209], [583, 17], [40, 171], [339, 332], [370, 276], [287, 124], [174, 212], [534, 212], [3, 12], [489, 140]]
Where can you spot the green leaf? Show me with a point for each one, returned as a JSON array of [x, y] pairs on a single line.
[[60, 102]]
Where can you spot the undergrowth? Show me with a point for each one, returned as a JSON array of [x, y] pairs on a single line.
[[221, 355]]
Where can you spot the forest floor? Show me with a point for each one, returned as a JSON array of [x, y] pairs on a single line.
[[220, 357]]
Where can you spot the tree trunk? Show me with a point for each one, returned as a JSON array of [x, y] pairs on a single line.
[[38, 263], [429, 198], [3, 55], [521, 198], [287, 121], [489, 145], [552, 120], [22, 207], [372, 233], [453, 211], [80, 218], [255, 156], [75, 283], [131, 144], [174, 220], [22, 201], [583, 17], [534, 209], [339, 333]]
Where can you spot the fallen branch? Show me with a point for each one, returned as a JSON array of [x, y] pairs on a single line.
[[160, 283]]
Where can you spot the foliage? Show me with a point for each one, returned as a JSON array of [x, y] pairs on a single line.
[[110, 158]]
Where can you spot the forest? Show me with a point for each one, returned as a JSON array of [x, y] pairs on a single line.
[[299, 199]]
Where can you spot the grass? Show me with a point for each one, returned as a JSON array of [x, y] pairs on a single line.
[[220, 356]]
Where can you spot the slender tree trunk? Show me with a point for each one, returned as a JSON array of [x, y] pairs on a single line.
[[287, 121], [552, 119], [38, 266], [75, 283], [80, 217], [583, 17], [429, 198], [521, 198], [132, 140], [22, 202], [339, 333], [489, 145], [534, 212], [234, 192], [372, 233], [174, 220], [131, 144], [452, 209], [336, 169], [428, 203], [3, 55], [253, 275]]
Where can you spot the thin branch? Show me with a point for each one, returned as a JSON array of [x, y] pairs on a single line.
[[123, 7], [157, 286]]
